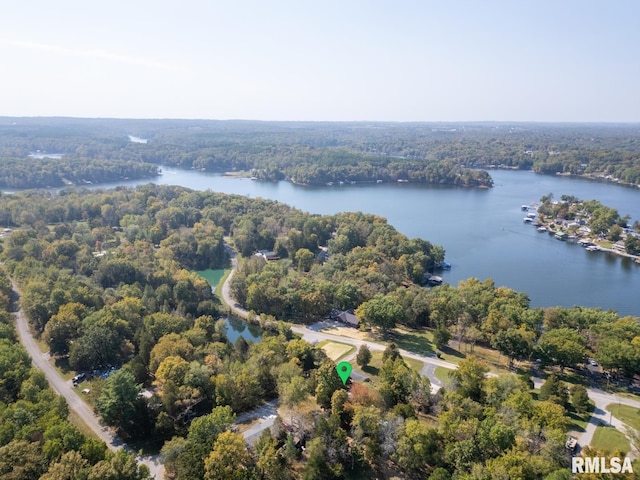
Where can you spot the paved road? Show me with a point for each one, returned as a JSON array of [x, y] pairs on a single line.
[[266, 413], [65, 389], [601, 415], [315, 335]]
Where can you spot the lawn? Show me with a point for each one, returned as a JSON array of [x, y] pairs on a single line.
[[413, 341], [610, 440], [336, 350], [626, 414], [442, 374], [373, 369]]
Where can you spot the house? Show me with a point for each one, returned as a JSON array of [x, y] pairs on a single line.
[[267, 255], [323, 255], [348, 317]]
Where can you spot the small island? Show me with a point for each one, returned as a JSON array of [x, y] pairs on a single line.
[[587, 222]]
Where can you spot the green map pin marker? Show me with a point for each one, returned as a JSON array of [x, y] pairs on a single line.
[[344, 370]]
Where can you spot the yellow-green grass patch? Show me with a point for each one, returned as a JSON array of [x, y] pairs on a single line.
[[610, 440], [336, 350], [442, 374], [626, 414]]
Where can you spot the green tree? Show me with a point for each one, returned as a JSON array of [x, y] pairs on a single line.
[[382, 311], [63, 327], [364, 356], [554, 390], [580, 399], [469, 378], [71, 466], [119, 465], [120, 404], [229, 459], [327, 382], [304, 259], [419, 447], [514, 343], [562, 346], [441, 337], [293, 392]]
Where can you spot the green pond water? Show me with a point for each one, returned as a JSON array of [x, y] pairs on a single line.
[[235, 327]]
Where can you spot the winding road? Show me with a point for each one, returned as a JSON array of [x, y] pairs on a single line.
[[600, 398], [65, 389]]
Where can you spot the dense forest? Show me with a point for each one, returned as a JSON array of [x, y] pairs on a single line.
[[36, 439], [314, 153], [107, 278]]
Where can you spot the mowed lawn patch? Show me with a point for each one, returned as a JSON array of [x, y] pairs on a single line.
[[442, 374], [336, 350], [610, 440], [626, 414], [373, 369]]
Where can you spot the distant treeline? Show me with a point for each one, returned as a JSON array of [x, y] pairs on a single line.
[[314, 153]]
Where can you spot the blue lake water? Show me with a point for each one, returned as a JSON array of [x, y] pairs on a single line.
[[481, 229]]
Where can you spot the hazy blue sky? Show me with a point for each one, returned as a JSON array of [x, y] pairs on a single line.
[[400, 60]]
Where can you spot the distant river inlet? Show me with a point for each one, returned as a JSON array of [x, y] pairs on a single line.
[[481, 229]]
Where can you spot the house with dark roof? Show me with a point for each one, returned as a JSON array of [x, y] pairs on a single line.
[[348, 317]]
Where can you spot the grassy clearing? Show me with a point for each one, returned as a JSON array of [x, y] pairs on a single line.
[[336, 350], [610, 440], [626, 414], [373, 369], [413, 341], [442, 374]]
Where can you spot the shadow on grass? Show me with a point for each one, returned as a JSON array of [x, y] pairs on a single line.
[[375, 371], [62, 363], [453, 352], [578, 423], [411, 342]]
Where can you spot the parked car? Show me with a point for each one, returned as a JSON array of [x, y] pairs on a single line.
[[78, 378]]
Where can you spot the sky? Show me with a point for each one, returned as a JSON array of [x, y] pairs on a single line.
[[346, 60]]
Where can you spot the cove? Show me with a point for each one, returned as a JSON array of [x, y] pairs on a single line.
[[481, 229]]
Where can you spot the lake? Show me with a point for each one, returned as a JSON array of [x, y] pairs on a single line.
[[481, 229]]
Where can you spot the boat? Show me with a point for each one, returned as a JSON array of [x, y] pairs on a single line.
[[592, 248], [561, 236], [527, 220], [524, 208], [542, 229], [531, 215]]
